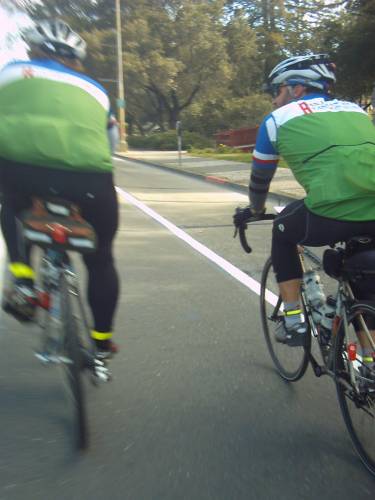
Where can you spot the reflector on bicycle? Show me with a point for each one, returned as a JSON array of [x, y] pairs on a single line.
[[352, 351], [57, 208], [44, 300], [59, 233]]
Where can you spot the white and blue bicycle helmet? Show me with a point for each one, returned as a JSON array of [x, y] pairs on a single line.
[[57, 38], [315, 70]]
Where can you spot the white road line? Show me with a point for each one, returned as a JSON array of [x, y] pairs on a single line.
[[202, 249]]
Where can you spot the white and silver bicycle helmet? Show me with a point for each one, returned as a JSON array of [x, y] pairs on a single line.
[[57, 38], [314, 70]]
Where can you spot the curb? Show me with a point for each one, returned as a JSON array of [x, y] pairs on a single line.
[[279, 197]]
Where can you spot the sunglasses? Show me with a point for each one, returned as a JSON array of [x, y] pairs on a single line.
[[275, 90]]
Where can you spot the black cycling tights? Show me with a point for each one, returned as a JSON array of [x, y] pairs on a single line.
[[297, 225], [96, 196]]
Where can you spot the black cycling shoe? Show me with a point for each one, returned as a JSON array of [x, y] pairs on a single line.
[[105, 349], [296, 336], [20, 300], [367, 378]]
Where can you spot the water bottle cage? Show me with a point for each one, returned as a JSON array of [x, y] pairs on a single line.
[[55, 306]]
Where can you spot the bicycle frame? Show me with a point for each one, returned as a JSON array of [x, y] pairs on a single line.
[[54, 264], [57, 227], [340, 310], [344, 297]]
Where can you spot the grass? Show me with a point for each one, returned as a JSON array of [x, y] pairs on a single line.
[[240, 157], [243, 157]]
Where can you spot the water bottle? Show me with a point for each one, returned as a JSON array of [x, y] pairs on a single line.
[[328, 313], [315, 294]]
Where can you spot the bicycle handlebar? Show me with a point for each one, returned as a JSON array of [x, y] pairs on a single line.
[[242, 228]]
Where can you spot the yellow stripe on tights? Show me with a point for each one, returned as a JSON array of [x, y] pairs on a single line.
[[101, 335], [20, 270]]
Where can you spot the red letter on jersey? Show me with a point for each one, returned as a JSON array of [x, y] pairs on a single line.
[[305, 107]]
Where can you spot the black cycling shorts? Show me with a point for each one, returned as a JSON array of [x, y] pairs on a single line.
[[296, 224], [95, 194]]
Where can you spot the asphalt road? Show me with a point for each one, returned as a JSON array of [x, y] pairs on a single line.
[[196, 410]]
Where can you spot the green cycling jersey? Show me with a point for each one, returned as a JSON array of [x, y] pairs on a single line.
[[53, 117]]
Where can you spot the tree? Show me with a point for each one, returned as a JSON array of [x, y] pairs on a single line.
[[173, 57], [210, 116], [350, 39], [246, 66], [80, 9], [205, 60], [284, 28]]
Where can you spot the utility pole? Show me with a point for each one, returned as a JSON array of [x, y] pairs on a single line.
[[120, 81]]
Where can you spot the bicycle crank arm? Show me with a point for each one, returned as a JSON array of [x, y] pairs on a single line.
[[318, 369]]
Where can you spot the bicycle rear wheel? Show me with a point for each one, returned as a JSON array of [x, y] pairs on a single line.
[[290, 362], [357, 408], [74, 365]]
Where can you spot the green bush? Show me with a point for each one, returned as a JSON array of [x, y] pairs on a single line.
[[138, 141], [168, 141], [195, 140], [223, 149], [204, 150]]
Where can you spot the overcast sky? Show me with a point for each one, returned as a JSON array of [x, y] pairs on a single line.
[[11, 45]]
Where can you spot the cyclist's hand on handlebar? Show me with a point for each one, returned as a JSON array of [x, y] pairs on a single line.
[[243, 215]]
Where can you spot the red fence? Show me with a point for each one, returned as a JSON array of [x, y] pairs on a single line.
[[241, 138]]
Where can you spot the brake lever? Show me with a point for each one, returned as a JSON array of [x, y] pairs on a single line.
[[237, 228]]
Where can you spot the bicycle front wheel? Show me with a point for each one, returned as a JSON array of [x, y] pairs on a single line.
[[357, 401], [290, 362], [73, 365]]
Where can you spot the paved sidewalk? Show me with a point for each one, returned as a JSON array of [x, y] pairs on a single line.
[[235, 174]]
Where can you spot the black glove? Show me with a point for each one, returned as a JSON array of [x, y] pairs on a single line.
[[241, 216]]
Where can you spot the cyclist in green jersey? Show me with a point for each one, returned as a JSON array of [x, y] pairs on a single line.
[[56, 132], [329, 145]]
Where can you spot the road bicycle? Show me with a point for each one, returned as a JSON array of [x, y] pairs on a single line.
[[336, 329], [57, 227]]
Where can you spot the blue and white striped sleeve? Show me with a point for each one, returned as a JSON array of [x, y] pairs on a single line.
[[265, 160]]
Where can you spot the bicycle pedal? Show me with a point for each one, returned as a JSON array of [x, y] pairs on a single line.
[[101, 371], [45, 357]]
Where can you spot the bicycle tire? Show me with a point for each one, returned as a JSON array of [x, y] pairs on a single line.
[[356, 411], [74, 366], [290, 362]]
